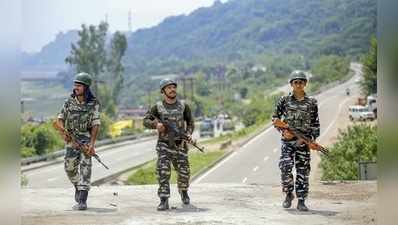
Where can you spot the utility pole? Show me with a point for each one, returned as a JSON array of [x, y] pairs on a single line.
[[192, 88], [148, 90], [129, 21], [106, 18], [22, 106], [184, 87], [188, 82]]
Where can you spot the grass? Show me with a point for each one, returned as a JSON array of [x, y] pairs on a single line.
[[147, 173]]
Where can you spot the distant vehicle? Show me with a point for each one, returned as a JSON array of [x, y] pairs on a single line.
[[370, 102], [228, 125], [347, 91], [206, 128], [361, 113]]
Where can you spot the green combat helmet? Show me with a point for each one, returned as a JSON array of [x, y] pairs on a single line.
[[83, 78], [166, 82], [297, 75]]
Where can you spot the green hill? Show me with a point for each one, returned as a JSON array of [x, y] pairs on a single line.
[[240, 29]]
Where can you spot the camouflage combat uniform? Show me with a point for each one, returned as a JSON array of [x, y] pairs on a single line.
[[303, 116], [180, 114], [79, 119]]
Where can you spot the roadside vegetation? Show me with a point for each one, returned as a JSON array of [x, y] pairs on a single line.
[[147, 173], [358, 143], [41, 138]]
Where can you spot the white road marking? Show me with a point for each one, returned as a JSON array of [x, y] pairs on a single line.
[[326, 100], [258, 136], [266, 158], [52, 179], [230, 156], [214, 168], [255, 169], [334, 119], [244, 180], [275, 150]]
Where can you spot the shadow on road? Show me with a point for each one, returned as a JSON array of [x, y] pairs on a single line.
[[96, 210], [187, 208], [312, 211]]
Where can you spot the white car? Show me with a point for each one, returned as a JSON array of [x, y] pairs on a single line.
[[359, 112]]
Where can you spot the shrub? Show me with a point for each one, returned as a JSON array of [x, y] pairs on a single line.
[[357, 143]]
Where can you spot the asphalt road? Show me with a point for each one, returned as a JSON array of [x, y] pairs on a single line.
[[129, 154], [257, 161], [118, 157]]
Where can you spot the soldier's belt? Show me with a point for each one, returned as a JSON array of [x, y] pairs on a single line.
[[166, 141]]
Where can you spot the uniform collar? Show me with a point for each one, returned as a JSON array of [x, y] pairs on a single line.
[[77, 101], [165, 103], [291, 95]]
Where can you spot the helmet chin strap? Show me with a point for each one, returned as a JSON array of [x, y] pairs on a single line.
[[169, 97]]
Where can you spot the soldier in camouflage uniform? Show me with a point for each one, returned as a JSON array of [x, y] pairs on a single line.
[[80, 116], [171, 111], [300, 112]]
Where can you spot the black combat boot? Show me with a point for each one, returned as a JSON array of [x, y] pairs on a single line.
[[184, 197], [164, 204], [83, 200], [301, 206], [76, 195], [288, 200]]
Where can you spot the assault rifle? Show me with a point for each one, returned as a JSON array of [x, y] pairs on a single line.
[[70, 138], [311, 144], [173, 132]]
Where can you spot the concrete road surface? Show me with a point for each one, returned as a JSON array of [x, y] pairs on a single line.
[[212, 204]]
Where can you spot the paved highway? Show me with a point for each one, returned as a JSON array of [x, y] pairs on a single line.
[[257, 161]]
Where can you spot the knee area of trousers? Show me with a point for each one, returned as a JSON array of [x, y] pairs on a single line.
[[70, 165]]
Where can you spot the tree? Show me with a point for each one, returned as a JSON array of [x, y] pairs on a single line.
[[115, 66], [369, 61], [90, 55]]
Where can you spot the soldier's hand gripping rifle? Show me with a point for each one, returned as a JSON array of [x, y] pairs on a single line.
[[311, 144], [69, 138], [171, 129]]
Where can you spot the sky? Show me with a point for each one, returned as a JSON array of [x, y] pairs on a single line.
[[43, 19]]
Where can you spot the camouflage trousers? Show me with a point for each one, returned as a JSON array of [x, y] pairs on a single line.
[[298, 156], [179, 158], [78, 168]]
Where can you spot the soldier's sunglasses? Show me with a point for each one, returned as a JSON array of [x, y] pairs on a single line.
[[299, 82]]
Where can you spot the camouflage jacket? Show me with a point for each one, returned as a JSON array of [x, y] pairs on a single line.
[[179, 112], [300, 115], [79, 117]]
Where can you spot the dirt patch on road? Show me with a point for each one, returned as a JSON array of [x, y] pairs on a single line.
[[351, 190]]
